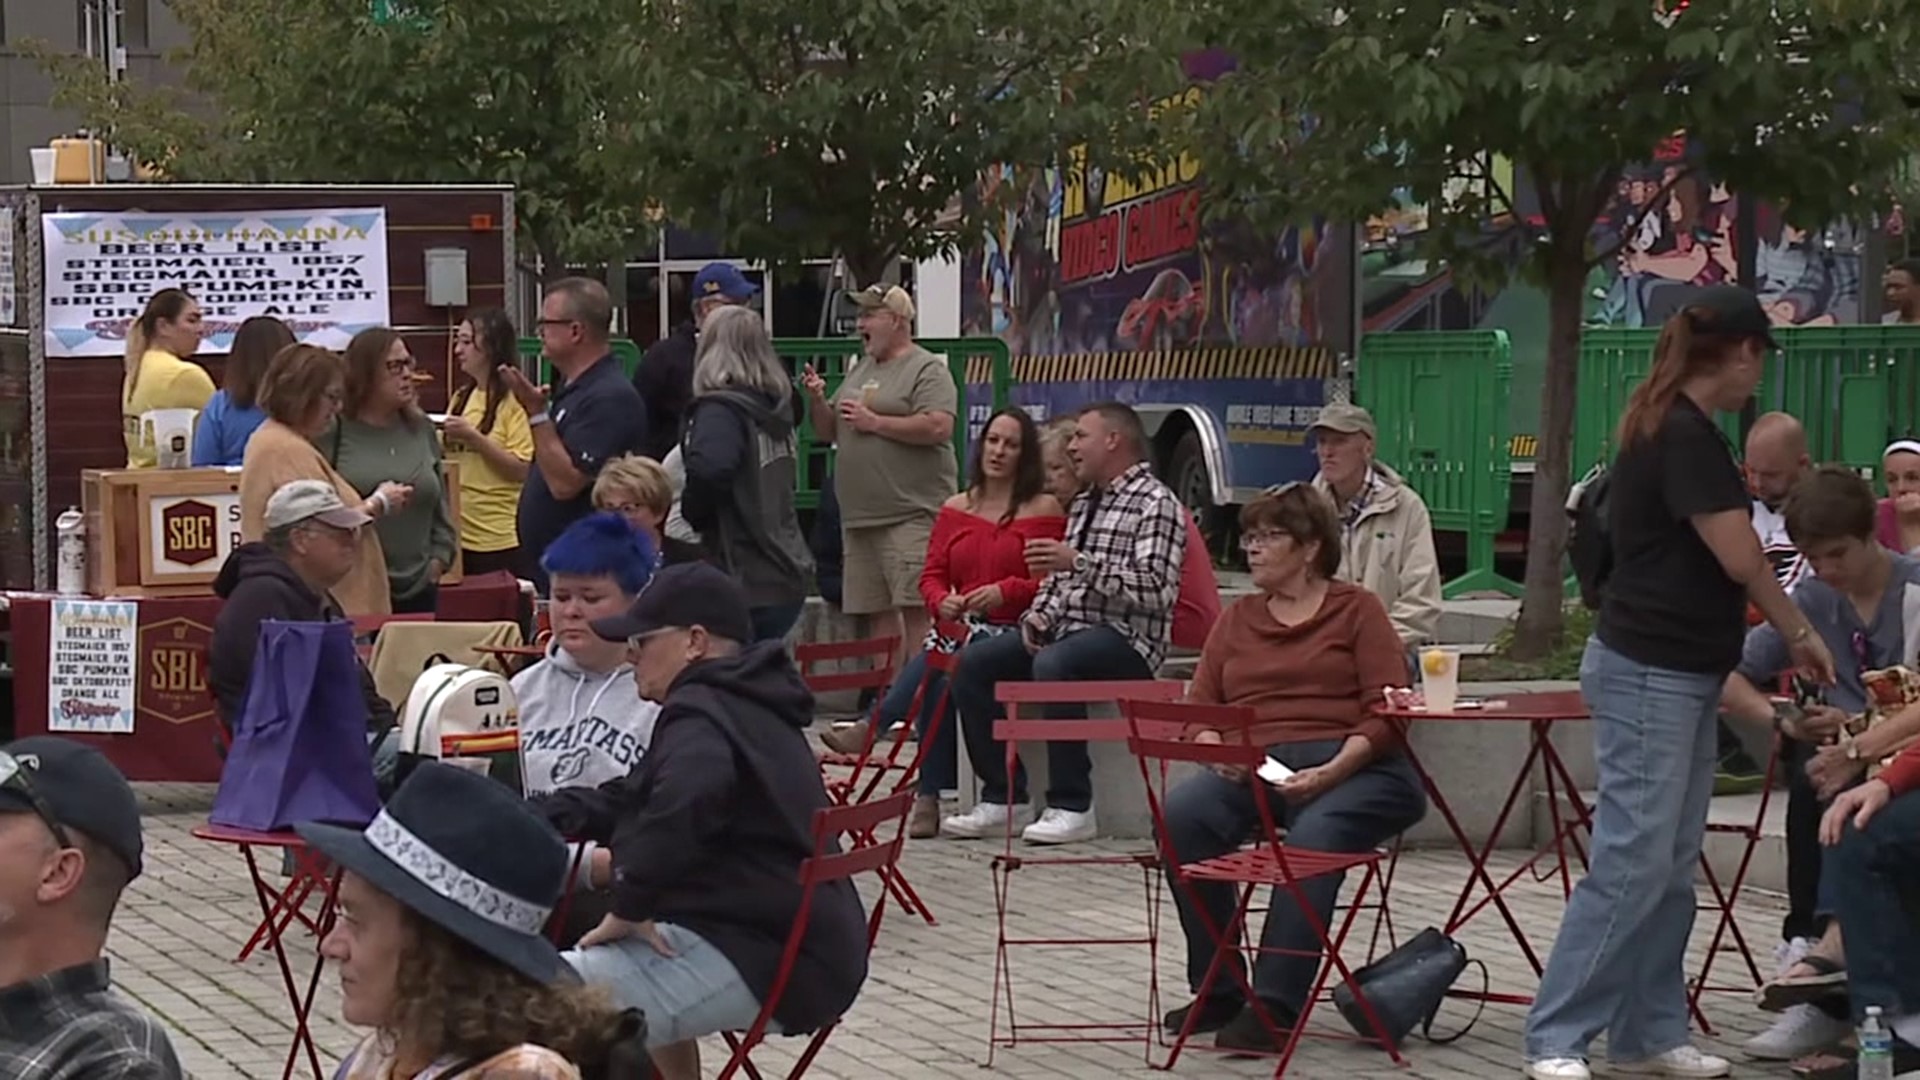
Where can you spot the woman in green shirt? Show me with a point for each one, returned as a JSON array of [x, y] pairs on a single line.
[[381, 437]]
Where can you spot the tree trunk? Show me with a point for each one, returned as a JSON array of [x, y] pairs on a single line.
[[1541, 605]]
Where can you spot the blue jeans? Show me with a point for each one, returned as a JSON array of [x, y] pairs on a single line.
[[1208, 816], [775, 621], [940, 765], [695, 992], [1096, 654], [1876, 875], [1619, 964]]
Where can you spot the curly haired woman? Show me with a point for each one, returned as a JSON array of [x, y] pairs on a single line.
[[439, 946]]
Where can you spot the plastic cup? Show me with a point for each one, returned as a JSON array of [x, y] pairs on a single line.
[[1440, 677]]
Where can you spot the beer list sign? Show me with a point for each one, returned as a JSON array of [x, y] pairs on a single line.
[[90, 666], [322, 272]]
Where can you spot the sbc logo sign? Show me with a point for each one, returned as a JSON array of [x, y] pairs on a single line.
[[190, 533]]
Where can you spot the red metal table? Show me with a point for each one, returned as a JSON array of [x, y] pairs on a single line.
[[276, 908], [1539, 712]]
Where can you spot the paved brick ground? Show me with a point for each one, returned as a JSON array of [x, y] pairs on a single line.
[[924, 1012]]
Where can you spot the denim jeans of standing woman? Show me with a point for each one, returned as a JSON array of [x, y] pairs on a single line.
[[1619, 962], [940, 768]]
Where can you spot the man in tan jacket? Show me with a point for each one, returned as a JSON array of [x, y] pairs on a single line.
[[1386, 536]]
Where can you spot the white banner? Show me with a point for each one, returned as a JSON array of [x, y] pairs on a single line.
[[90, 666], [322, 272]]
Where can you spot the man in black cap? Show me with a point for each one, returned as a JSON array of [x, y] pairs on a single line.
[[69, 845], [664, 376], [708, 833]]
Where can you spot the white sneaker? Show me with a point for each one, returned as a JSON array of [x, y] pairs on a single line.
[[1058, 826], [1559, 1069], [1801, 1030], [1682, 1061], [985, 819]]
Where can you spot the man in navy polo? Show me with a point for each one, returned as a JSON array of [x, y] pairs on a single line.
[[665, 375], [594, 415]]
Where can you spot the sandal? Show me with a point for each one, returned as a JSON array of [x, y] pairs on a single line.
[[1829, 979], [1842, 1062]]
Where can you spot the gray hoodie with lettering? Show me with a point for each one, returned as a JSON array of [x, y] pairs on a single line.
[[579, 728]]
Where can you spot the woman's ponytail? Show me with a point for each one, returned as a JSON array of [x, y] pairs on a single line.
[[1650, 400]]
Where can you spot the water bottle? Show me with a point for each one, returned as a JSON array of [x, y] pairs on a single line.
[[1876, 1047]]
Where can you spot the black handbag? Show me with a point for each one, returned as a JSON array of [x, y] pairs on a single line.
[[1406, 986]]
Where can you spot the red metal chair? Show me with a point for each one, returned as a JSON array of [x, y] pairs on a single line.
[[824, 866], [879, 756], [1012, 731], [1159, 734], [1725, 900]]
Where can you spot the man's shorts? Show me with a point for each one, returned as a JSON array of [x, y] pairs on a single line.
[[883, 564], [693, 993]]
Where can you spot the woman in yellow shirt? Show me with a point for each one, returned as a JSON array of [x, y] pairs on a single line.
[[158, 374], [488, 435]]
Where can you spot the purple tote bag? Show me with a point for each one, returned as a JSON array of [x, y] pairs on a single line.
[[300, 742]]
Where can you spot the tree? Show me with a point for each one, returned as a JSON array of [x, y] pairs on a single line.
[[798, 128], [1332, 107], [479, 91]]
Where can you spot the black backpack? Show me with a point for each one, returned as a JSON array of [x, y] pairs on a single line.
[[1590, 547]]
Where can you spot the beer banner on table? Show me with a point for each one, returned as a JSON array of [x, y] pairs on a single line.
[[322, 272]]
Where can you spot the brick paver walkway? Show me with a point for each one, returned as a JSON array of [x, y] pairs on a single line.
[[924, 1011]]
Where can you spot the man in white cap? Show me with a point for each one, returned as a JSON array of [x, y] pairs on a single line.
[[1386, 534], [308, 549], [891, 422]]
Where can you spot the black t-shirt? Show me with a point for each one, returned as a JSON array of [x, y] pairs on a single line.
[[598, 416], [1668, 603]]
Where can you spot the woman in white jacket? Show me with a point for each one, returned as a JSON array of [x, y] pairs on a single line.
[[581, 723]]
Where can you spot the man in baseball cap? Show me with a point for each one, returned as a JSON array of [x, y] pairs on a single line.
[[310, 547], [665, 375], [69, 845], [1386, 533], [708, 832]]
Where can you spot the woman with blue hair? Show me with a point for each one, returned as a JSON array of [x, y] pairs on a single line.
[[581, 721]]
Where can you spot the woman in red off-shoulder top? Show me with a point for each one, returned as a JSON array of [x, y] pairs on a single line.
[[975, 582]]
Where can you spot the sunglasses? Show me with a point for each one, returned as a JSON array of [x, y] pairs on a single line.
[[13, 777]]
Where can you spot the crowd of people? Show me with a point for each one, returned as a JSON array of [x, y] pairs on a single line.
[[665, 729]]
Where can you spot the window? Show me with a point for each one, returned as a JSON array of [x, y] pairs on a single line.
[[134, 29]]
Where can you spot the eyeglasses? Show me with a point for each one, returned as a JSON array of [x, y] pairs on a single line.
[[1262, 538], [13, 777], [401, 367]]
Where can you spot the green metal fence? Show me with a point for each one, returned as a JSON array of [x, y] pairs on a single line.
[[975, 362], [1854, 388], [1440, 401]]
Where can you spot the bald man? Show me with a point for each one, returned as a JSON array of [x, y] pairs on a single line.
[[1776, 460]]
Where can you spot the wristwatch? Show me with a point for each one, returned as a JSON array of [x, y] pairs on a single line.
[[539, 418], [1081, 562]]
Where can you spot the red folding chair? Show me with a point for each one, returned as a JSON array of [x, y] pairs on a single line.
[[879, 757], [1012, 731], [1159, 736], [824, 866], [1725, 900]]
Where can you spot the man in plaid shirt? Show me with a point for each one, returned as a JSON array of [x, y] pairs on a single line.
[[1104, 612], [69, 844]]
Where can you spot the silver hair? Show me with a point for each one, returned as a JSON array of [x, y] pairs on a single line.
[[736, 353]]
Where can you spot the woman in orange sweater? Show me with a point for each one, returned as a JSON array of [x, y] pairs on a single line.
[[1312, 657]]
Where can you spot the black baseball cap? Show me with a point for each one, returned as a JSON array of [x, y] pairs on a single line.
[[682, 595], [82, 790], [1731, 310]]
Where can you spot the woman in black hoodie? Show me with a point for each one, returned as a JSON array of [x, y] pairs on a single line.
[[740, 457]]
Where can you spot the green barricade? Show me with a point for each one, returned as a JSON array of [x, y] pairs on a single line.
[[1854, 388], [982, 371], [1440, 401]]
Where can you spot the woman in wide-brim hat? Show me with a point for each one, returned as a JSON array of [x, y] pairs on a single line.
[[438, 940]]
